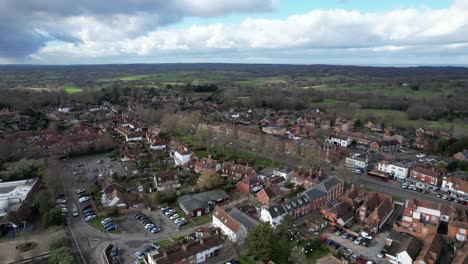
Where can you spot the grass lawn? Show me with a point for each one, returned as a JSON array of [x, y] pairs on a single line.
[[203, 219], [166, 243], [71, 89], [316, 254], [96, 223], [326, 103], [181, 213]]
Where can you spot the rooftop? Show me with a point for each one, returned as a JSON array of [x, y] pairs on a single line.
[[14, 193]]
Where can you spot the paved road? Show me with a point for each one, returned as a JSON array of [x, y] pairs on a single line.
[[92, 242], [395, 189]]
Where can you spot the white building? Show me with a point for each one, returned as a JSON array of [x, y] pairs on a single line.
[[273, 215], [456, 184], [341, 141], [181, 156], [14, 193], [230, 227], [286, 173], [400, 170]]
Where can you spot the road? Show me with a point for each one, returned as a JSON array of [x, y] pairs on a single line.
[[91, 242], [395, 189]]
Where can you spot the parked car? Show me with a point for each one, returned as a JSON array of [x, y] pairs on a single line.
[[174, 216], [358, 240], [139, 254], [332, 229], [347, 252], [83, 199], [111, 228], [80, 191], [339, 232], [89, 217], [61, 201], [355, 256], [383, 252], [114, 251], [156, 245], [366, 235], [75, 211], [345, 235], [105, 221]]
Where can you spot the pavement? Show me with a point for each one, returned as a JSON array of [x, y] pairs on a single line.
[[91, 242]]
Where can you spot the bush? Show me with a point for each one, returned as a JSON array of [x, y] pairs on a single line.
[[62, 255], [58, 244], [53, 217], [111, 211]]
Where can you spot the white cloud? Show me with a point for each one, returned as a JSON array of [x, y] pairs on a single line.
[[349, 33]]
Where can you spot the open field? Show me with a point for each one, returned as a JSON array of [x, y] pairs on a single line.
[[174, 78], [71, 89], [381, 89], [261, 81]]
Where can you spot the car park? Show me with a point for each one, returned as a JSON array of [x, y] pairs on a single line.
[[139, 254], [345, 235], [105, 221], [339, 232], [80, 191]]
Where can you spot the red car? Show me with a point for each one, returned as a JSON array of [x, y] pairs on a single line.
[[362, 260], [332, 229]]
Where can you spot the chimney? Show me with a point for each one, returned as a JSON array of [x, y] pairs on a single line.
[[209, 156]]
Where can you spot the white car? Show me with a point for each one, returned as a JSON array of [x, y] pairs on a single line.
[[83, 199], [420, 156], [74, 212], [61, 201], [179, 220], [106, 220], [366, 235], [90, 217], [358, 240], [174, 216]]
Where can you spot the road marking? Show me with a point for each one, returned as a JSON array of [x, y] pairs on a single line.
[[94, 241]]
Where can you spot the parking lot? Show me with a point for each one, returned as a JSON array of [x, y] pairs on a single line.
[[370, 252]]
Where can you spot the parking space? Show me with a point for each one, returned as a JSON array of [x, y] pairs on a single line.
[[369, 252]]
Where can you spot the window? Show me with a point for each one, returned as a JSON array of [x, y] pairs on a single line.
[[462, 231]]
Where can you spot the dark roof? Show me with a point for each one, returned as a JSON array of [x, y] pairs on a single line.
[[402, 242], [276, 210], [328, 184], [315, 194], [200, 200], [244, 219]]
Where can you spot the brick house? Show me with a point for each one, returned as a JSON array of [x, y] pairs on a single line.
[[230, 227], [427, 177], [206, 164], [248, 184], [237, 171], [385, 145], [271, 194], [375, 211], [458, 230], [333, 187], [166, 180], [456, 184], [306, 178]]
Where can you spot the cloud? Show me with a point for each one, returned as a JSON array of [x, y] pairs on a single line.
[[27, 25], [409, 35]]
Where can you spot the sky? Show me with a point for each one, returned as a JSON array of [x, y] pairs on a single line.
[[352, 32]]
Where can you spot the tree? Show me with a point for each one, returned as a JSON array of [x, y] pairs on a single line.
[[312, 158], [53, 217], [62, 255], [286, 226], [44, 202], [208, 180], [298, 256], [260, 240]]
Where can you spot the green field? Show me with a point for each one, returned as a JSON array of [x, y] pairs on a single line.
[[71, 89], [376, 88], [261, 81], [175, 78]]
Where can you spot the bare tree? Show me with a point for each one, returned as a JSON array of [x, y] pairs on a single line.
[[53, 176], [208, 180]]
